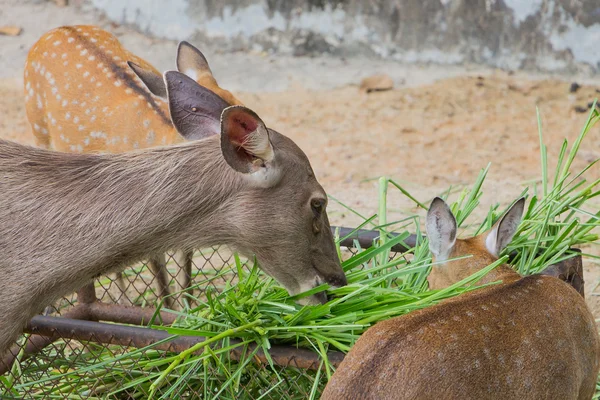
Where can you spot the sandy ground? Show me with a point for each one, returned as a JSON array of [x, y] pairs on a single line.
[[438, 127]]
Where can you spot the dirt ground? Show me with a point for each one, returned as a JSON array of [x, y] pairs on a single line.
[[437, 128]]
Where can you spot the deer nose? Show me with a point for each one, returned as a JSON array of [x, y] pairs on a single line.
[[337, 279]]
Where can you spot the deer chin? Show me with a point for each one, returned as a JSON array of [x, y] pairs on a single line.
[[317, 298]]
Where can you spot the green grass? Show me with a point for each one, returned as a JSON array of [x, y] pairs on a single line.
[[257, 311]]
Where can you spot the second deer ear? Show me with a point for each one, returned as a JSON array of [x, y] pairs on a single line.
[[441, 229], [503, 231], [191, 61], [195, 110], [245, 140], [153, 80]]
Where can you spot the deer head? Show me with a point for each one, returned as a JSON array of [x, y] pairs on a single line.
[[282, 218], [484, 248]]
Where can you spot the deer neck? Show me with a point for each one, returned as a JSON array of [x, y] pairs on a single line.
[[101, 212], [445, 274]]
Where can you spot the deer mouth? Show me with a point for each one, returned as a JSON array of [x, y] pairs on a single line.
[[317, 298]]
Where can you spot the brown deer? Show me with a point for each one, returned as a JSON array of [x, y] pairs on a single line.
[[66, 218], [529, 337], [84, 93]]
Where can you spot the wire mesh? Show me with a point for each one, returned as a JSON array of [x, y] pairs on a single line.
[[69, 368]]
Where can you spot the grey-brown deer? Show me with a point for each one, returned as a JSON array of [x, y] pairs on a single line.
[[529, 337], [83, 95], [66, 218]]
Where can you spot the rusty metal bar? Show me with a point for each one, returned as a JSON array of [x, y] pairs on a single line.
[[96, 311], [132, 336], [366, 238], [36, 343], [132, 315]]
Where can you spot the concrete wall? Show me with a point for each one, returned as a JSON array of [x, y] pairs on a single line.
[[547, 35]]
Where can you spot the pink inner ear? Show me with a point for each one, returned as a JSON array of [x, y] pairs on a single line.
[[241, 124]]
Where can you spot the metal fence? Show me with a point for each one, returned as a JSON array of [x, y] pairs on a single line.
[[69, 336]]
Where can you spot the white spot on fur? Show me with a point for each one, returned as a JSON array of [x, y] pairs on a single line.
[[63, 56], [64, 103], [75, 119], [70, 40], [78, 66], [36, 127], [118, 83], [81, 127], [98, 134]]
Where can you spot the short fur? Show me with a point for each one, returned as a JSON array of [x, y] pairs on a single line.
[[528, 337]]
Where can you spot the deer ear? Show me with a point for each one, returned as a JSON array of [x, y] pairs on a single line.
[[191, 61], [195, 110], [503, 231], [441, 229], [153, 81], [245, 140]]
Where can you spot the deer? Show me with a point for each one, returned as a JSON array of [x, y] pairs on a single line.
[[86, 93], [66, 218], [519, 337]]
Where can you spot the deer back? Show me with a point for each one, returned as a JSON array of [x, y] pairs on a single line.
[[82, 96]]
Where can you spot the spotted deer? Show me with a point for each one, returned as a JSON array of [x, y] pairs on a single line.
[[85, 93], [68, 217], [529, 337]]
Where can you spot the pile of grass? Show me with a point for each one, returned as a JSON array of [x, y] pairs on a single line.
[[255, 313]]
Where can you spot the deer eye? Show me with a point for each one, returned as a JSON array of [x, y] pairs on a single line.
[[318, 205]]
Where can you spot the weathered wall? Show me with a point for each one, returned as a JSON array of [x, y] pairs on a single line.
[[549, 35]]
